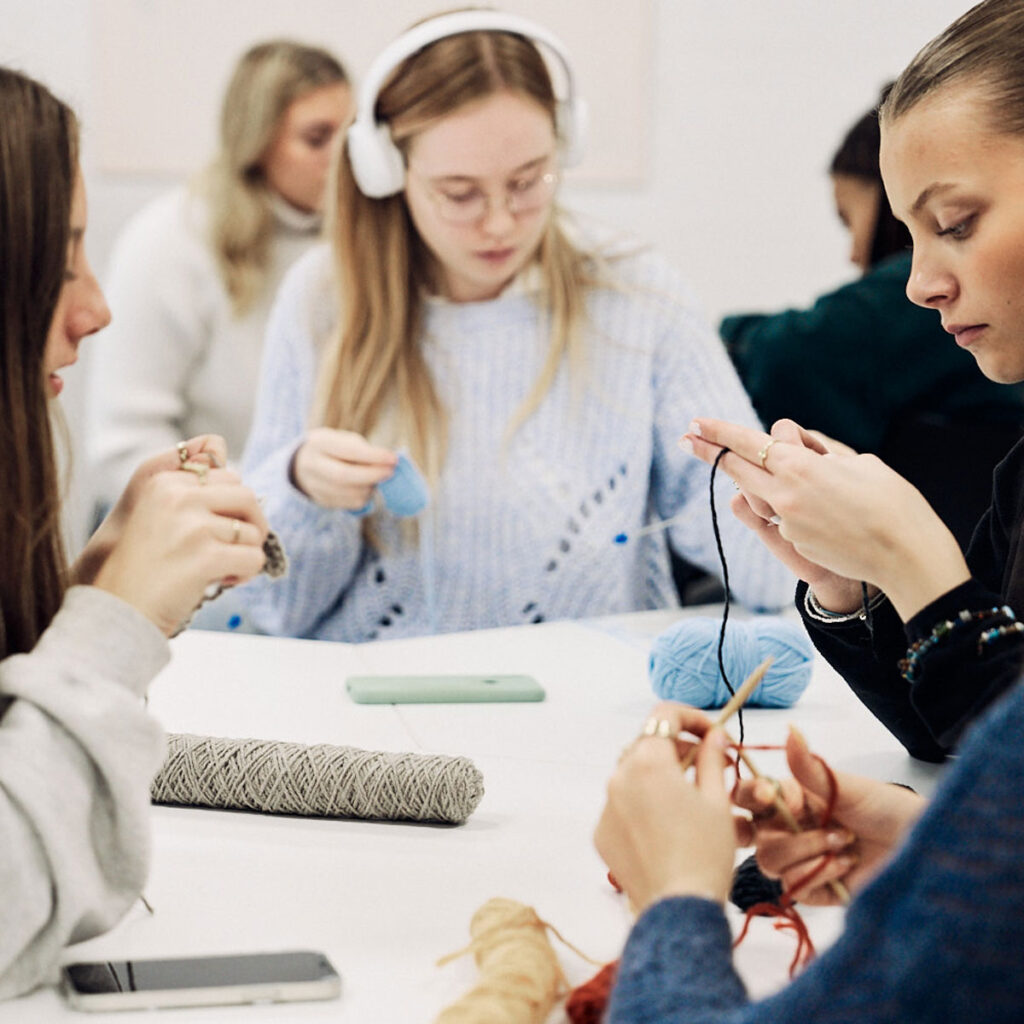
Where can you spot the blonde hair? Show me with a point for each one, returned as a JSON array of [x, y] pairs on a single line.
[[373, 366], [268, 78], [984, 47]]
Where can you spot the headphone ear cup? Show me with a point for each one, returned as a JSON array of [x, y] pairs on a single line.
[[377, 164], [573, 120]]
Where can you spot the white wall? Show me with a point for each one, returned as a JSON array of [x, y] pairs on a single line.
[[750, 99]]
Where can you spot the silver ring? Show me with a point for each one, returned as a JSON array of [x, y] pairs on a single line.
[[763, 453]]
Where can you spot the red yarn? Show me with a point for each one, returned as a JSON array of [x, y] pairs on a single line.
[[586, 1003], [786, 909], [790, 920]]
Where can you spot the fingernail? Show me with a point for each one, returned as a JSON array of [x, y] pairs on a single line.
[[847, 860], [798, 735], [694, 428], [838, 839], [686, 445]]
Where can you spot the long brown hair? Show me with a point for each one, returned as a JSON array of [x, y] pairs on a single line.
[[985, 46], [373, 367], [268, 78], [38, 167]]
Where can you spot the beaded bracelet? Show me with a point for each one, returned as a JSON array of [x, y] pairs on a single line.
[[908, 666]]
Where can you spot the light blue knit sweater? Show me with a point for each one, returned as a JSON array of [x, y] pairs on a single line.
[[526, 534]]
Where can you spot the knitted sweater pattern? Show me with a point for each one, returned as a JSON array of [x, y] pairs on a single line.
[[522, 531]]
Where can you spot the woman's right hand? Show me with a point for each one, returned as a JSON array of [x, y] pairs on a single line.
[[850, 515], [340, 469], [869, 820], [835, 592], [179, 537], [660, 833]]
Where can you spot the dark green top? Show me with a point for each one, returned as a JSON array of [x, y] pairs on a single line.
[[860, 359]]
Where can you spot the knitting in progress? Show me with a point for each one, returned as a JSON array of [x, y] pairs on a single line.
[[316, 780]]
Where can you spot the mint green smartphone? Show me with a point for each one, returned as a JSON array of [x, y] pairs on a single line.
[[461, 689]]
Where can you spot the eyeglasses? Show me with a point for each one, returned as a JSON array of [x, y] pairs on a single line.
[[457, 204]]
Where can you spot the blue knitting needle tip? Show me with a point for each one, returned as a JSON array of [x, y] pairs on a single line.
[[662, 524]]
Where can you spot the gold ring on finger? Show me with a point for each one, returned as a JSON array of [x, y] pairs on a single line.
[[199, 468], [763, 453]]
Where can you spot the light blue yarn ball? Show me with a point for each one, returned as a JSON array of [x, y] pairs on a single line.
[[684, 661]]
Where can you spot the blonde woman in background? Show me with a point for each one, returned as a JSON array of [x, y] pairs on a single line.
[[193, 274], [538, 377]]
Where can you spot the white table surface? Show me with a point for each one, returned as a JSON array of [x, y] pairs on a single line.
[[386, 900]]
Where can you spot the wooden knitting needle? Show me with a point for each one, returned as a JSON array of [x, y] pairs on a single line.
[[738, 699]]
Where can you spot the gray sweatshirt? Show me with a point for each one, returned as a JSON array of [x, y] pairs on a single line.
[[77, 756]]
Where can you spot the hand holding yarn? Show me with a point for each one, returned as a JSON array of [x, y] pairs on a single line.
[[208, 449], [183, 535], [405, 492], [750, 466], [869, 820], [850, 515], [340, 469], [683, 664], [659, 833]]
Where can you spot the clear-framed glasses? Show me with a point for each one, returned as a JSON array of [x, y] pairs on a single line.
[[466, 203]]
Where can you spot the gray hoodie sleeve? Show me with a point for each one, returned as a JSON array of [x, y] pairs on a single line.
[[77, 756]]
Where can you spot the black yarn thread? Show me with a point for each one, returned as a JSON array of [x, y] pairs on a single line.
[[725, 585]]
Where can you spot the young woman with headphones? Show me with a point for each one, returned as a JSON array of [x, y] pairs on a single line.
[[537, 377]]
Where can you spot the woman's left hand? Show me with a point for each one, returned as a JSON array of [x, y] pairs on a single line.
[[206, 449], [660, 834]]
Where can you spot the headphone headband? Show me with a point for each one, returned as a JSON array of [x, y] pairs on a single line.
[[377, 164]]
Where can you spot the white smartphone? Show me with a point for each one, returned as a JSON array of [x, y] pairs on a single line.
[[200, 981]]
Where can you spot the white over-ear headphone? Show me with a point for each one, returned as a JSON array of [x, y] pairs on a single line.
[[377, 163]]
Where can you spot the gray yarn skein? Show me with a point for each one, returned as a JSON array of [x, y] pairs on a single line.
[[319, 779]]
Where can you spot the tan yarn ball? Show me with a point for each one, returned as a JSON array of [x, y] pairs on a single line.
[[520, 977]]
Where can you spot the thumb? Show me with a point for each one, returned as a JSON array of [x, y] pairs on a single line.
[[807, 769]]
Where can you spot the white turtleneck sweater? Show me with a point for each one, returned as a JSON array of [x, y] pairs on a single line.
[[176, 361]]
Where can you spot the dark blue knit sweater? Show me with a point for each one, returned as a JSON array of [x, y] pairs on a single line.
[[937, 937]]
